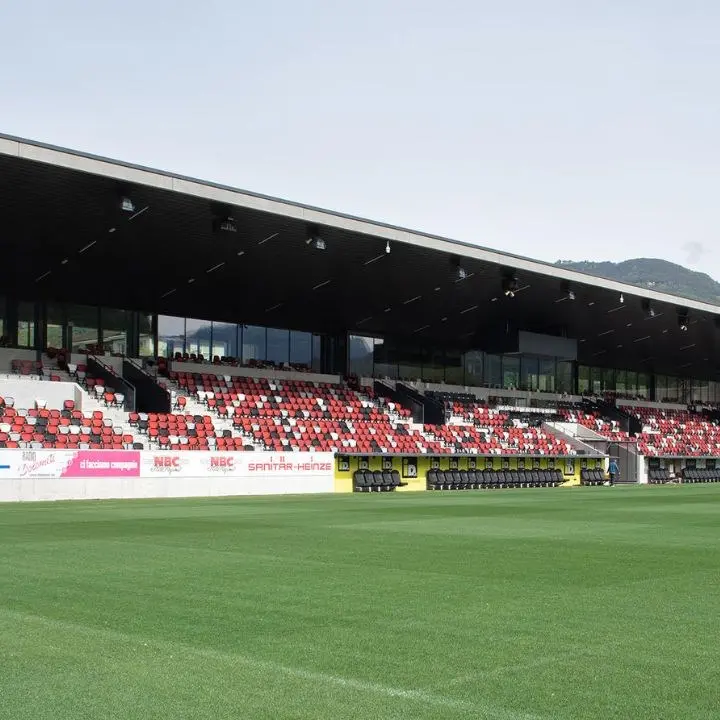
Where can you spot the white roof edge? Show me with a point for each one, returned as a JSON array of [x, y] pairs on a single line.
[[125, 172]]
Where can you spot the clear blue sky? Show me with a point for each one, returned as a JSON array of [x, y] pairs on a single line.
[[556, 129]]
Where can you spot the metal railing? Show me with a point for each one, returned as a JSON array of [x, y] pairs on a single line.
[[112, 378]]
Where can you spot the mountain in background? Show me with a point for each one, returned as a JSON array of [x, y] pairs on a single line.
[[658, 275]]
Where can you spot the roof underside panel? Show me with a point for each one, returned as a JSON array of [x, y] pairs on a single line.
[[66, 239]]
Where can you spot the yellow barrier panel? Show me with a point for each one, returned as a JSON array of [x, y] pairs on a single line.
[[414, 470]]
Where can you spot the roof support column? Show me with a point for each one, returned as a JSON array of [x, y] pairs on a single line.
[[334, 354], [40, 319], [11, 319], [575, 378]]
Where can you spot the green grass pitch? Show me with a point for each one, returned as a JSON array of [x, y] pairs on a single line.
[[510, 605]]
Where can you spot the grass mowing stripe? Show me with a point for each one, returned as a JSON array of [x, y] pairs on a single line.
[[176, 649]]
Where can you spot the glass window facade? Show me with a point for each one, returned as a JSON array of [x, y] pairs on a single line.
[[230, 340], [645, 386], [409, 360], [55, 326], [317, 353], [361, 361], [432, 364], [115, 326], [474, 367], [197, 337], [301, 349], [454, 368], [564, 377], [384, 364], [146, 336], [26, 325], [375, 357], [584, 380], [547, 375], [83, 324], [225, 340], [493, 371], [171, 335], [117, 331], [511, 372], [278, 346], [529, 373], [254, 343]]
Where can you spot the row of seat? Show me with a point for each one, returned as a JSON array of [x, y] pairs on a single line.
[[286, 415], [376, 480], [282, 414], [665, 432], [200, 359], [679, 433], [692, 475], [491, 479], [609, 429], [508, 439], [26, 367], [660, 477], [592, 477]]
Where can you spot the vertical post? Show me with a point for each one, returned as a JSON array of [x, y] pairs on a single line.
[[132, 345], [11, 319], [39, 320], [334, 354], [575, 389]]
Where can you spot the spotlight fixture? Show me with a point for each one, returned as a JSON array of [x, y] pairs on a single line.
[[683, 320], [314, 239], [568, 292], [510, 286], [458, 271], [317, 242], [648, 309], [387, 248], [225, 225], [127, 205], [622, 298]]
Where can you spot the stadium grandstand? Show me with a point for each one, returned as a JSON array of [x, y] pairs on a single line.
[[146, 314]]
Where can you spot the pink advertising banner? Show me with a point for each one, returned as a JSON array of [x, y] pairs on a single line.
[[103, 463], [70, 463]]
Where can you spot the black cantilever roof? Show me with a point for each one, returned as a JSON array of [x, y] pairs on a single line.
[[65, 238]]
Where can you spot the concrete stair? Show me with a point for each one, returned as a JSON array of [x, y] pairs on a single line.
[[90, 402]]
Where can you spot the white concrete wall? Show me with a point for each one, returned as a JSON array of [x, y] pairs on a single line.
[[99, 474], [629, 404], [26, 391], [483, 393], [39, 489], [253, 372], [579, 431], [7, 355]]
